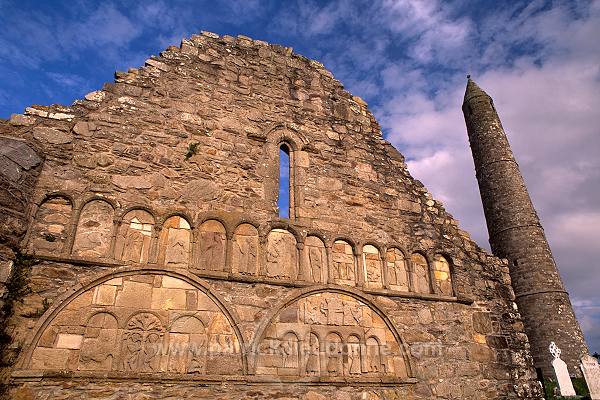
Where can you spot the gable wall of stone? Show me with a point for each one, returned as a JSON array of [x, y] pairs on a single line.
[[194, 134]]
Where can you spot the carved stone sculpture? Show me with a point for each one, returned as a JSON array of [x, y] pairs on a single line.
[[174, 242], [342, 337], [561, 372], [245, 250], [397, 270], [135, 237], [140, 324], [315, 258], [344, 268], [141, 343], [372, 266], [420, 272], [333, 344], [212, 243], [313, 363], [281, 254]]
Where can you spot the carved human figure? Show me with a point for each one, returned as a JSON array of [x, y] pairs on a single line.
[[372, 266], [352, 313], [94, 229], [442, 280], [333, 308], [343, 263], [313, 358], [141, 343], [245, 249], [354, 356], [174, 242], [125, 329], [334, 354], [289, 350], [187, 346], [397, 271], [135, 236], [420, 270], [324, 317], [212, 242], [221, 338], [281, 255], [374, 362], [315, 256]]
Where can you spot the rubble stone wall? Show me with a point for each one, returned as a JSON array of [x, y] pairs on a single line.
[[165, 270]]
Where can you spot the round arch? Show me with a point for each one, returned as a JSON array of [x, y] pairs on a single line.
[[74, 292], [300, 294]]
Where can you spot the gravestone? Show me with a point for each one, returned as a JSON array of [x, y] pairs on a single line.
[[591, 372], [561, 372]]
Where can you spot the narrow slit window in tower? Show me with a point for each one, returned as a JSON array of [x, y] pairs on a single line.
[[283, 200]]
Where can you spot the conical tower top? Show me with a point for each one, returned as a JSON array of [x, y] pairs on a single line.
[[473, 90]]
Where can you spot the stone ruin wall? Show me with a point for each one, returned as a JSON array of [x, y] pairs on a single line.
[[162, 267]]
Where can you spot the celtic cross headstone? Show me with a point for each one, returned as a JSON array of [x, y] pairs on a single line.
[[561, 372]]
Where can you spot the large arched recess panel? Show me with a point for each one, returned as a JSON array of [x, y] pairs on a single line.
[[330, 333], [139, 321]]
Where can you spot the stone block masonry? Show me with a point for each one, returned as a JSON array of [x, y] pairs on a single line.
[[516, 234], [167, 271]]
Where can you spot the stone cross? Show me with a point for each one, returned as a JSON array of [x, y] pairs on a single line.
[[561, 372], [591, 372]]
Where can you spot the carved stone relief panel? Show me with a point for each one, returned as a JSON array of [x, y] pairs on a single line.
[[344, 267], [188, 345], [174, 243], [135, 237], [313, 355], [94, 230], [372, 266], [140, 343], [396, 270], [212, 242], [49, 229], [336, 334], [315, 257], [245, 249], [140, 323], [442, 280], [99, 346], [354, 354], [281, 255], [420, 273], [334, 354]]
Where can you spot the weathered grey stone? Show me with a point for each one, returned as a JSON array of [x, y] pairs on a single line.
[[517, 235], [9, 169], [591, 373], [19, 152]]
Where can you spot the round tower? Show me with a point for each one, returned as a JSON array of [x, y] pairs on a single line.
[[516, 234]]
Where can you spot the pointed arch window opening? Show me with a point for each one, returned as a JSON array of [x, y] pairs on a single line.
[[285, 198]]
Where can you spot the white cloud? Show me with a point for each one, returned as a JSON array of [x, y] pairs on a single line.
[[548, 99]]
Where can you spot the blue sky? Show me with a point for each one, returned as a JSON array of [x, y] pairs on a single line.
[[408, 59]]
